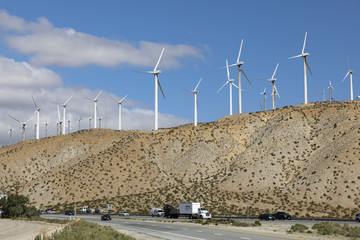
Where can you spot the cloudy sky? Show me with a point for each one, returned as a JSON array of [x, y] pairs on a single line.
[[52, 50]]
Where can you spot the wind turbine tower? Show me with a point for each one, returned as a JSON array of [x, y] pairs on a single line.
[[195, 92], [306, 65], [10, 134], [264, 93], [23, 125], [156, 72], [119, 104], [350, 72], [231, 83], [37, 111], [95, 108], [274, 89], [240, 70], [64, 114], [330, 87]]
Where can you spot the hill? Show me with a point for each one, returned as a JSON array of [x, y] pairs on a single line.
[[302, 159]]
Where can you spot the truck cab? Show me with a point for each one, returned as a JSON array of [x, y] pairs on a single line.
[[203, 213]]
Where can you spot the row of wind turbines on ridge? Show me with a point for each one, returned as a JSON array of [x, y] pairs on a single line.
[[229, 81]]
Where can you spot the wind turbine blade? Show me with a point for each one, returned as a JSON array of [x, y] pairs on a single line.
[[307, 65], [230, 65], [58, 113], [275, 71], [161, 89], [277, 93], [67, 101], [157, 64], [348, 63], [151, 72], [197, 84], [245, 75], [97, 95], [114, 99], [303, 49], [123, 98], [345, 76], [227, 68], [295, 56], [234, 85], [222, 87], [34, 103], [238, 58], [15, 119]]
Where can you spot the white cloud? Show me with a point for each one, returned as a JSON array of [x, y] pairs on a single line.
[[48, 45], [47, 89]]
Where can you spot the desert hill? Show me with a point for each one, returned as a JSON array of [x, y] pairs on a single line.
[[302, 159]]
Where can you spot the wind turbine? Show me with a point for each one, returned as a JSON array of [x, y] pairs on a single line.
[[95, 108], [240, 70], [195, 92], [264, 93], [350, 72], [37, 111], [323, 95], [64, 114], [59, 122], [156, 72], [79, 120], [119, 103], [90, 121], [23, 125], [46, 128], [274, 89], [10, 134], [231, 83], [330, 87], [306, 65]]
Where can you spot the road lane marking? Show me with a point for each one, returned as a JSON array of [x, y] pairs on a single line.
[[219, 234], [245, 238], [175, 234]]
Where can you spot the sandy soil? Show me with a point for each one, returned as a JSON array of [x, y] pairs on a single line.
[[22, 230]]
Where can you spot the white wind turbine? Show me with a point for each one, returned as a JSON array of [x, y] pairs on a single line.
[[46, 128], [37, 111], [119, 103], [330, 87], [264, 93], [23, 125], [90, 121], [156, 72], [231, 83], [195, 92], [240, 70], [79, 120], [350, 72], [95, 108], [274, 89], [64, 114], [304, 55], [10, 134], [59, 122]]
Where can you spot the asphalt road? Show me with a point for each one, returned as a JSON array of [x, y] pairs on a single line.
[[176, 230]]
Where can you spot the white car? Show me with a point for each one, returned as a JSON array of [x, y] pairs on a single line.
[[124, 213]]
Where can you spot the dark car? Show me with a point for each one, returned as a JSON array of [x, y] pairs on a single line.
[[105, 217], [68, 212], [282, 216], [266, 216], [357, 217]]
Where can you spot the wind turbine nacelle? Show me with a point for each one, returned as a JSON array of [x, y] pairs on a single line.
[[239, 63], [305, 54], [156, 72]]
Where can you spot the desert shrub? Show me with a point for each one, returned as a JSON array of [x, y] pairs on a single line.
[[299, 228], [329, 228], [17, 206], [90, 231]]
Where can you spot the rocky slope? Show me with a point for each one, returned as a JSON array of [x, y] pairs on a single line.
[[303, 159]]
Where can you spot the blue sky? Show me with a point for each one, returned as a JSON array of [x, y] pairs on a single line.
[[54, 49]]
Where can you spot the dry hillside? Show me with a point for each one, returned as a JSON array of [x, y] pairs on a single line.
[[303, 159]]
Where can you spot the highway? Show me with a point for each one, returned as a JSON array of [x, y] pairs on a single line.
[[176, 230]]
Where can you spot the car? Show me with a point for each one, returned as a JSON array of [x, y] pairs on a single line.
[[105, 217], [266, 216], [42, 212], [68, 212], [124, 213], [158, 212], [50, 211], [282, 216], [357, 217]]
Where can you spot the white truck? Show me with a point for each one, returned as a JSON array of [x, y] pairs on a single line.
[[190, 210]]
